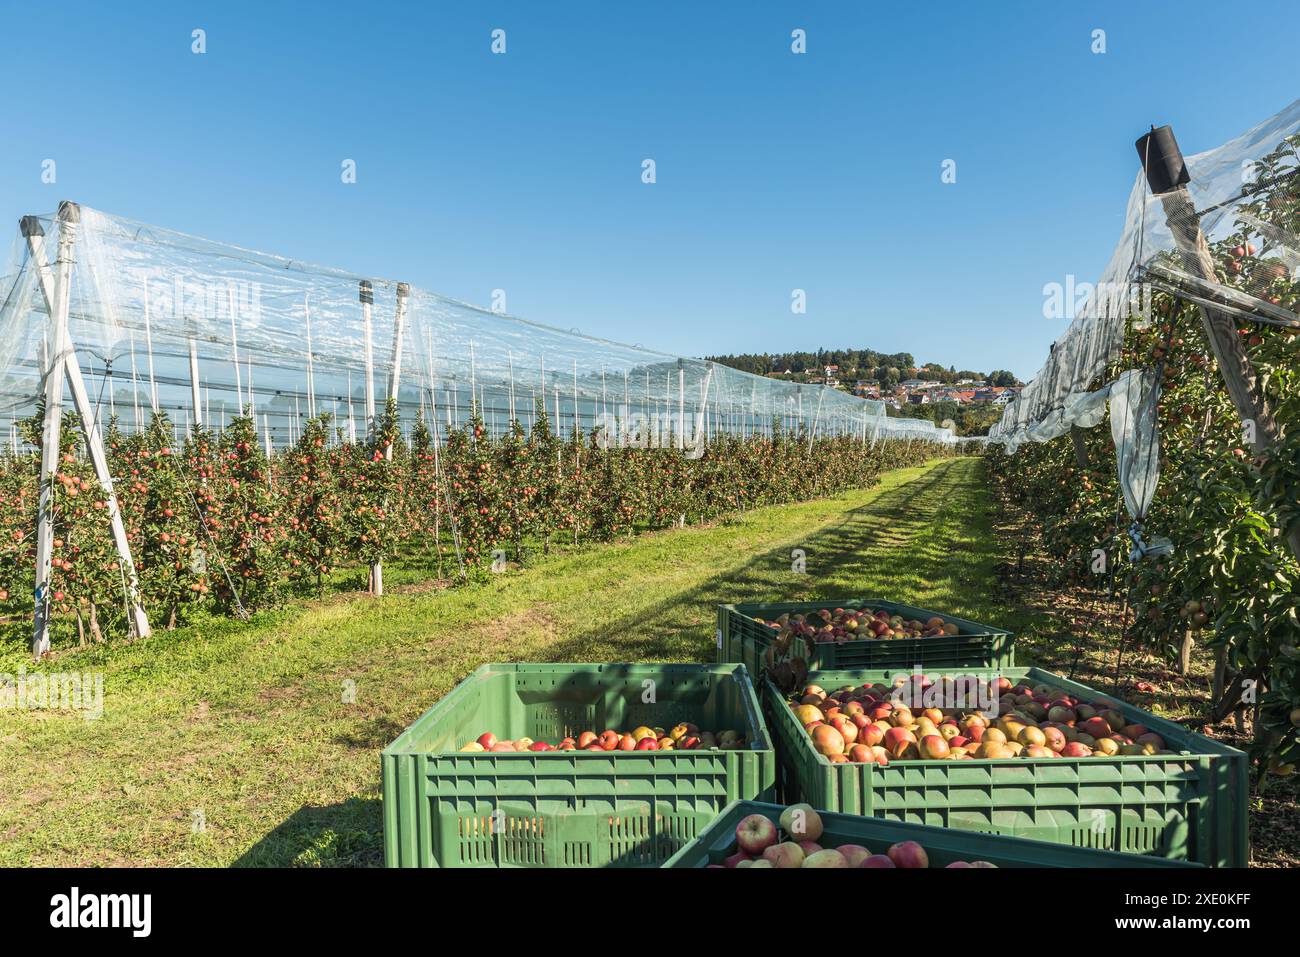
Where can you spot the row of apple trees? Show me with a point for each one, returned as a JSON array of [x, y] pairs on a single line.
[[215, 523], [1232, 582]]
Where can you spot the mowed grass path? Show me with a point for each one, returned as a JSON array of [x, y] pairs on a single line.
[[247, 724]]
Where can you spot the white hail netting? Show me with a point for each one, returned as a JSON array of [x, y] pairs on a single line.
[[1231, 189], [290, 340]]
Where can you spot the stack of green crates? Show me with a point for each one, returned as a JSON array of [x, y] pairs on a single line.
[[448, 808], [1188, 805], [741, 638], [943, 845]]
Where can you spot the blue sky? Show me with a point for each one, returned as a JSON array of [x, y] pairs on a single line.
[[522, 171]]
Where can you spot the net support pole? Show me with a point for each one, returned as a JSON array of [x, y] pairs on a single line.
[[367, 297], [394, 383], [1167, 177], [234, 353], [56, 289], [681, 403], [311, 371], [52, 433], [196, 398], [701, 436], [399, 334], [148, 348], [812, 433], [510, 359]]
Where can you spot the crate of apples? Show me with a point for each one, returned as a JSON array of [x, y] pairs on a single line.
[[748, 834], [848, 624], [971, 719], [681, 737], [798, 842]]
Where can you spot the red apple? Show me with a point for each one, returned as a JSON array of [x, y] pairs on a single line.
[[755, 833], [908, 854], [934, 747], [871, 735], [854, 854], [1062, 714], [1054, 738], [1097, 727], [861, 754], [898, 741], [487, 739], [785, 855], [827, 740], [825, 858], [847, 729], [878, 860], [801, 822]]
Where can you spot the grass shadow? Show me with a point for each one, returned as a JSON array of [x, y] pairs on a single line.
[[349, 834]]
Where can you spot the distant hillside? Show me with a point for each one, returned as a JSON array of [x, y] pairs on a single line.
[[886, 369]]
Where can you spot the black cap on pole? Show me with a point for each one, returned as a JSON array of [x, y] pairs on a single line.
[[367, 292], [1162, 160], [31, 226]]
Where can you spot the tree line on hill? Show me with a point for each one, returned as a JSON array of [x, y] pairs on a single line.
[[970, 419], [886, 369]]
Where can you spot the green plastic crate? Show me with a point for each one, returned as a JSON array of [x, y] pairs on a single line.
[[943, 845], [1190, 805], [446, 808], [741, 638]]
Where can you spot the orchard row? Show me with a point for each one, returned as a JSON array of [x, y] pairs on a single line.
[[215, 522], [1232, 511]]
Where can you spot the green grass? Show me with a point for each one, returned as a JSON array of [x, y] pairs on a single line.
[[248, 723]]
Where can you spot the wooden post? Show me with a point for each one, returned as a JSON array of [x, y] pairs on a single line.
[[1185, 652], [56, 289], [1080, 450], [1167, 176]]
